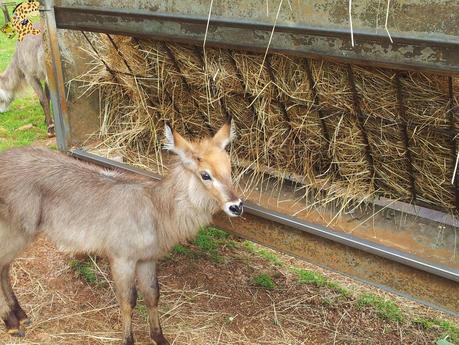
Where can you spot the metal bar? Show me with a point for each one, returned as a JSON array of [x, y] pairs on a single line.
[[213, 87], [246, 92], [361, 124], [408, 51], [112, 71], [280, 104], [304, 226], [404, 133], [418, 211], [55, 75], [166, 92], [453, 135], [359, 35], [176, 65], [316, 100]]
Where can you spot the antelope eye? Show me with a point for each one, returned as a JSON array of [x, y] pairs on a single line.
[[205, 176]]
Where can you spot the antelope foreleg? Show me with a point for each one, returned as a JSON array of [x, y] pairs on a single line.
[[149, 287]]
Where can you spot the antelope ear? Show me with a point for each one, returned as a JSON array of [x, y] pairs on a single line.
[[178, 144], [225, 134]]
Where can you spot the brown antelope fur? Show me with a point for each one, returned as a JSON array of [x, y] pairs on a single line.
[[131, 220]]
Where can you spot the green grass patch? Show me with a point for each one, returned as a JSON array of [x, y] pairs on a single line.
[[449, 329], [23, 111], [85, 270], [310, 277], [180, 249], [141, 308], [319, 280], [267, 255], [210, 240], [7, 46], [385, 309], [265, 281]]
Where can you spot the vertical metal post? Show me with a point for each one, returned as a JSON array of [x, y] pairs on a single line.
[[55, 75], [404, 134]]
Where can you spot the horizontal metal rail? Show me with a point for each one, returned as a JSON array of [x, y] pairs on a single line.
[[245, 24], [409, 50], [299, 224]]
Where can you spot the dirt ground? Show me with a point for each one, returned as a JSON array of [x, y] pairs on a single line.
[[210, 297]]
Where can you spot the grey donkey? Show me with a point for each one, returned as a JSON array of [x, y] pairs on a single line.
[[131, 220], [27, 67]]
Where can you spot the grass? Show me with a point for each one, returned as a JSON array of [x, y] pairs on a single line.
[[180, 249], [319, 280], [85, 270], [264, 280], [267, 255], [385, 309], [450, 330], [23, 111], [210, 240], [7, 46]]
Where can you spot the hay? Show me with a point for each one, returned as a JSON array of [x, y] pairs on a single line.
[[388, 144]]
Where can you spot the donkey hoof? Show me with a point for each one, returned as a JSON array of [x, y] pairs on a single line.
[[16, 332]]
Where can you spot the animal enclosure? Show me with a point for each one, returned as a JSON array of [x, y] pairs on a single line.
[[360, 140]]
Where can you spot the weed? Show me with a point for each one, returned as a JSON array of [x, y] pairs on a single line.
[[449, 329], [319, 280], [345, 292], [310, 277], [267, 255], [264, 280], [384, 308], [181, 250], [85, 270], [141, 308], [209, 240]]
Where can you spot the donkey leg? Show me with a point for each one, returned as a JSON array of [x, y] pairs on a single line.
[[123, 273], [11, 297], [13, 326], [148, 285], [44, 102]]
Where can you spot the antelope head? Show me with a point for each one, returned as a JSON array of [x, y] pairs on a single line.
[[210, 164]]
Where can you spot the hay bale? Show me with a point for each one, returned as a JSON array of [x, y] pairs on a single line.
[[354, 152]]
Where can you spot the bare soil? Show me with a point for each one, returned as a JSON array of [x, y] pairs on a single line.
[[208, 300]]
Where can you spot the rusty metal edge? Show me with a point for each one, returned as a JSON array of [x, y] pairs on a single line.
[[55, 76], [253, 25], [304, 226], [95, 22]]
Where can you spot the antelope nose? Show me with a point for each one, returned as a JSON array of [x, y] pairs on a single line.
[[236, 209]]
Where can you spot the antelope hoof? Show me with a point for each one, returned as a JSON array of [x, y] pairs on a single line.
[[129, 340], [26, 322], [16, 332], [160, 340]]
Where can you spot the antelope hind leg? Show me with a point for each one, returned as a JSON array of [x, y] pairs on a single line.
[[11, 297]]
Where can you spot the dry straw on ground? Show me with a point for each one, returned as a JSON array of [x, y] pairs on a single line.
[[349, 132]]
